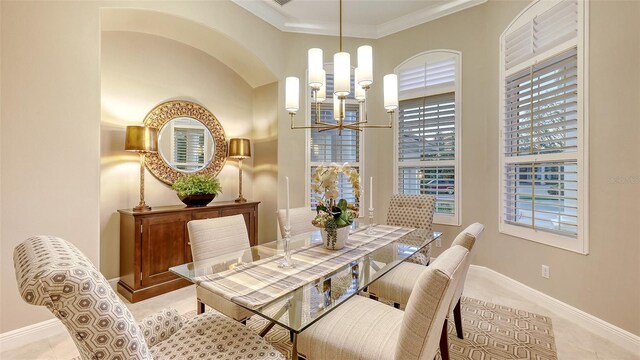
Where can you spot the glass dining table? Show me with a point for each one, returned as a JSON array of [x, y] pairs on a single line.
[[313, 288]]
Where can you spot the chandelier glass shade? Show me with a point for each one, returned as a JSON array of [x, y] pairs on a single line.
[[317, 83]]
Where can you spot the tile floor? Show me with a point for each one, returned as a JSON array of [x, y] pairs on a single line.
[[572, 340]]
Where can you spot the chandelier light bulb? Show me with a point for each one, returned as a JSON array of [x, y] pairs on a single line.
[[316, 67], [365, 64], [342, 73], [391, 92], [292, 91]]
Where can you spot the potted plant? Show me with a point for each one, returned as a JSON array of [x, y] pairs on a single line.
[[334, 215], [197, 190]]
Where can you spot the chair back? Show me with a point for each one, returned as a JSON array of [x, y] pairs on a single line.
[[217, 236], [467, 239], [52, 272], [414, 211], [300, 219], [428, 306]]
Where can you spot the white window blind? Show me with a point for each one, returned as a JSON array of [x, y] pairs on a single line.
[[188, 148], [427, 135], [543, 32], [542, 122], [328, 147]]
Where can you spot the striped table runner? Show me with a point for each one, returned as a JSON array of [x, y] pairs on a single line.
[[258, 283]]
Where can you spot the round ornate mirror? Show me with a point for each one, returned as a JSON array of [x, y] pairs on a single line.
[[191, 141]]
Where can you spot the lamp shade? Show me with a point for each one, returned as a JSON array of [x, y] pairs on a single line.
[[239, 148], [141, 139]]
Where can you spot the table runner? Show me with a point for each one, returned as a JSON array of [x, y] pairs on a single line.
[[258, 283]]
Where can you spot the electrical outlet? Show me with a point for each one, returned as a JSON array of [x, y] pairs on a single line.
[[438, 243], [545, 271]]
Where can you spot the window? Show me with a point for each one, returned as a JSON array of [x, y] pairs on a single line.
[[427, 138], [327, 147], [542, 121]]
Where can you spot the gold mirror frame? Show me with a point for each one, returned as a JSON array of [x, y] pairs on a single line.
[[167, 111]]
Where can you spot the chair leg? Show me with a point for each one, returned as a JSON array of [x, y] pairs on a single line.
[[373, 297], [291, 335], [200, 307], [444, 341], [457, 318], [396, 305], [243, 322]]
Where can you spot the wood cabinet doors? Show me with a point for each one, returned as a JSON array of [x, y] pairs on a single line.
[[163, 246]]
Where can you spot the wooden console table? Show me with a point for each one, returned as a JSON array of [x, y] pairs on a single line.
[[153, 241]]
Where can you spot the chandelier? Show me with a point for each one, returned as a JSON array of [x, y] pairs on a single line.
[[363, 79]]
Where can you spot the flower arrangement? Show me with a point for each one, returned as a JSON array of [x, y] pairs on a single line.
[[334, 213]]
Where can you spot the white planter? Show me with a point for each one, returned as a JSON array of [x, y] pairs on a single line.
[[341, 238]]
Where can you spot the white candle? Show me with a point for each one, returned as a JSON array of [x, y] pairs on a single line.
[[371, 192], [287, 180]]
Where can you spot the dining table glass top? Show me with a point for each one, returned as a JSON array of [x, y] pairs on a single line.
[[301, 297]]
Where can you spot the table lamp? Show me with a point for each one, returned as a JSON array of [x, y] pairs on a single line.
[[142, 140], [240, 149]]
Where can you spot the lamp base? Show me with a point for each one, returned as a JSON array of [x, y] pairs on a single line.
[[240, 199], [142, 208]]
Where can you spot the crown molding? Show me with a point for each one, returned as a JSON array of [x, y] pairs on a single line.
[[283, 23]]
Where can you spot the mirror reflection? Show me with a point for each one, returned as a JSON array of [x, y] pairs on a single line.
[[186, 145]]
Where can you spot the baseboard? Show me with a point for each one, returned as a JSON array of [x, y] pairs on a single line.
[[612, 333], [29, 334]]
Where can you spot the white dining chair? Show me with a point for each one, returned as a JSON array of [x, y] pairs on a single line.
[[363, 328], [397, 284], [215, 237], [300, 219], [415, 211], [53, 273]]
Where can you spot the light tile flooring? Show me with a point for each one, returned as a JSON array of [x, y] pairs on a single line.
[[572, 340]]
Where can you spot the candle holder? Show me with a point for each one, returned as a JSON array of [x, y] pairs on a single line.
[[287, 261], [370, 230]]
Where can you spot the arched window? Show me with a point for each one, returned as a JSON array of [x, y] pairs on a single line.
[[427, 136], [543, 138]]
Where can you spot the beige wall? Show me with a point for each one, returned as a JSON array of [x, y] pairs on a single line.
[[603, 283], [51, 92], [138, 72], [265, 159]]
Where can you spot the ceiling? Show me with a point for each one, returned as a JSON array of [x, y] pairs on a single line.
[[361, 18]]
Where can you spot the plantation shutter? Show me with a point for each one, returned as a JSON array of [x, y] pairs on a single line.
[[419, 76], [545, 31], [188, 148], [541, 122], [426, 149]]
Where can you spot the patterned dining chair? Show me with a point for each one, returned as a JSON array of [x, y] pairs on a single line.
[[363, 328], [300, 219], [52, 272], [214, 237], [397, 284], [414, 211]]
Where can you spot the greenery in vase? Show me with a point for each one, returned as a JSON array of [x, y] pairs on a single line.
[[334, 213], [197, 185]]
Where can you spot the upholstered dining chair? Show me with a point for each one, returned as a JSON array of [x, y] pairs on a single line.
[[52, 272], [214, 237], [414, 211], [397, 284], [367, 329], [300, 219]]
